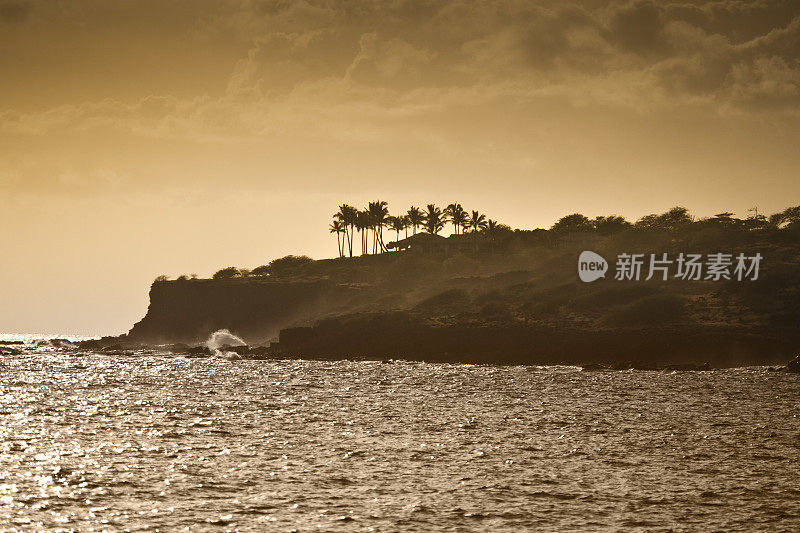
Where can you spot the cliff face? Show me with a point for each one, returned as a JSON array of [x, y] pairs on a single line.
[[256, 310], [403, 336]]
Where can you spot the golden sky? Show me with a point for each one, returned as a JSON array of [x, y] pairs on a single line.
[[167, 137]]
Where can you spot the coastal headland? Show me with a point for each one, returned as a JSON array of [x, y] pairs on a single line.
[[515, 298]]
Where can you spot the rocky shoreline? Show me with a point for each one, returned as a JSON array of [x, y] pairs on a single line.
[[267, 352], [273, 352]]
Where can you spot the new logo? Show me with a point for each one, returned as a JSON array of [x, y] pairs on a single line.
[[591, 266]]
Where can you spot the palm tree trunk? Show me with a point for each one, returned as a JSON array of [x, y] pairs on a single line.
[[350, 240]]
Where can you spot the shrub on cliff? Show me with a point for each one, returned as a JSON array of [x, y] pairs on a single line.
[[260, 271], [227, 273], [286, 265], [572, 223]]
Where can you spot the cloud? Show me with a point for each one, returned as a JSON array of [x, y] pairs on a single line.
[[14, 11], [639, 27], [766, 83], [314, 66], [391, 61], [686, 50], [740, 21]]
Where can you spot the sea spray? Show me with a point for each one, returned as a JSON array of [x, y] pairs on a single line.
[[222, 338]]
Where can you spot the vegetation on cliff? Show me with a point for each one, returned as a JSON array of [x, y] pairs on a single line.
[[367, 225], [672, 227]]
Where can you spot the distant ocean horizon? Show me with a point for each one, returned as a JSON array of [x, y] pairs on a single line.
[[30, 337]]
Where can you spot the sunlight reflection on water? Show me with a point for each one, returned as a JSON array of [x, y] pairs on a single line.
[[93, 441]]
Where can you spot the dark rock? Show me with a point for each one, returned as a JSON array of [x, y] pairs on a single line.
[[241, 349], [689, 367], [61, 343], [198, 351], [595, 367], [93, 344], [113, 348], [103, 342], [405, 335], [794, 365]]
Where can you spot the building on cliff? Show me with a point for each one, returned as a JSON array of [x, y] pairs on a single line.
[[436, 244]]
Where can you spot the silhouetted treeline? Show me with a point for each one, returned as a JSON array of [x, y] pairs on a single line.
[[353, 226], [366, 225]]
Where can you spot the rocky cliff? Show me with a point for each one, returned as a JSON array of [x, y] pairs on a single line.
[[189, 310], [403, 336]]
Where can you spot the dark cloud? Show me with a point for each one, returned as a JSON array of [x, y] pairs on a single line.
[[739, 21], [551, 38], [740, 55], [639, 27], [783, 42], [14, 11]]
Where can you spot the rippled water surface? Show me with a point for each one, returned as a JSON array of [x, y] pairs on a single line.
[[147, 441]]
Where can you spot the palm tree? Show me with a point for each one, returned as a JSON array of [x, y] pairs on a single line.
[[455, 214], [397, 224], [461, 218], [477, 222], [347, 215], [415, 218], [433, 219], [338, 228], [378, 211], [362, 225], [447, 214], [491, 227]]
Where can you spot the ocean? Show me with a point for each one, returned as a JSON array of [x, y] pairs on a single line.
[[151, 441]]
